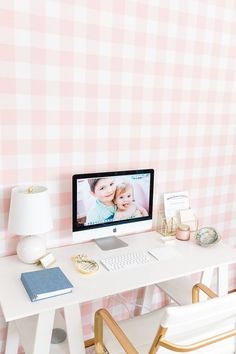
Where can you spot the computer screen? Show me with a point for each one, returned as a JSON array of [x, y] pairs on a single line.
[[111, 203]]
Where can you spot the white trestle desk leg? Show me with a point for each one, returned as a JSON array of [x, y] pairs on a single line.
[[146, 302], [43, 333], [12, 342], [206, 279], [222, 280], [74, 329]]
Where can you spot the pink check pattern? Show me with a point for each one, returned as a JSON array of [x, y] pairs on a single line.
[[90, 86]]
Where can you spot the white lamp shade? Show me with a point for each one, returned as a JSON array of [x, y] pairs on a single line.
[[29, 211]]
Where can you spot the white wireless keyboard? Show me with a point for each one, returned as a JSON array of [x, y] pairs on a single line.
[[127, 260]]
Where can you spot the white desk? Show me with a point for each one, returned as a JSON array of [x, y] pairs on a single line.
[[16, 304]]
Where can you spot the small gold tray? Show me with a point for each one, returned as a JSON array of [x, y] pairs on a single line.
[[85, 265]]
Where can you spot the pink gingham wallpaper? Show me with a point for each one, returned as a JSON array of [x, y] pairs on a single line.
[[103, 85]]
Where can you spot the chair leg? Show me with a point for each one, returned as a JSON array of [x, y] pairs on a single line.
[[100, 349], [156, 342]]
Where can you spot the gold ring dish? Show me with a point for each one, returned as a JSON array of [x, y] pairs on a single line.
[[85, 265]]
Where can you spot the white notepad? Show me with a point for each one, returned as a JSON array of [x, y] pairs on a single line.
[[164, 253]]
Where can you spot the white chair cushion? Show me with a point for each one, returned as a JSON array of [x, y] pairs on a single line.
[[206, 312], [186, 324], [142, 334]]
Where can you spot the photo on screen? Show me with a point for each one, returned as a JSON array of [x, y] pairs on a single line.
[[112, 198]]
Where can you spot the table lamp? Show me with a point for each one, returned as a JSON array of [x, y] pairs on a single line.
[[29, 216]]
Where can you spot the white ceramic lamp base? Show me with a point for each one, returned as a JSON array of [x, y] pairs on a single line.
[[31, 248]]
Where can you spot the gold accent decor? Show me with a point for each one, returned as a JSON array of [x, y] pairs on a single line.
[[196, 290], [232, 291], [30, 189], [166, 227], [85, 265], [101, 316], [157, 340], [197, 345], [47, 260], [89, 342]]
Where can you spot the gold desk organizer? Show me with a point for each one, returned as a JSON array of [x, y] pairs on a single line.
[[166, 227]]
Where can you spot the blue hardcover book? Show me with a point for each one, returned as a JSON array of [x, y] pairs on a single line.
[[41, 284]]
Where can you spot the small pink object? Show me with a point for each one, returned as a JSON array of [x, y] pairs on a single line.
[[183, 232]]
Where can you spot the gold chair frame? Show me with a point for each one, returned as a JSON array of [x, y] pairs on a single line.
[[103, 315]]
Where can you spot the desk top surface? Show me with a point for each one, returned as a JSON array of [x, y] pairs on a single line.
[[191, 259]]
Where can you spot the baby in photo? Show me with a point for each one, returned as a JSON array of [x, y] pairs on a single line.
[[124, 201]]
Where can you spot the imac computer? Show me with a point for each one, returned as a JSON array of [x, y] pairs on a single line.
[[110, 204]]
